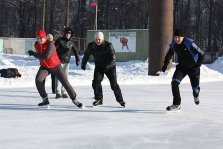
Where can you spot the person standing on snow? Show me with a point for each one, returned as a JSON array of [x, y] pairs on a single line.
[[49, 64], [105, 63], [65, 47], [190, 58]]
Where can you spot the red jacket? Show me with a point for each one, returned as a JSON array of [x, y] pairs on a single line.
[[47, 54]]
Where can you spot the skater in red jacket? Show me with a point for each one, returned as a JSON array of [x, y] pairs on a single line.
[[49, 64]]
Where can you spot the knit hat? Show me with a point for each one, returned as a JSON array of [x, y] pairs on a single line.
[[68, 30], [41, 33], [49, 37], [99, 35], [178, 32]]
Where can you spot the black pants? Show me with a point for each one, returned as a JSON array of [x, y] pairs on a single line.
[[59, 73], [53, 83], [180, 72], [98, 77]]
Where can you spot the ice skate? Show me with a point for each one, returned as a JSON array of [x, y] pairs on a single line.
[[122, 104], [58, 96], [97, 103], [196, 96], [78, 104], [64, 96], [196, 100], [173, 108], [44, 103]]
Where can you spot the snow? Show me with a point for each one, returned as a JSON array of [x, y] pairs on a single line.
[[143, 124]]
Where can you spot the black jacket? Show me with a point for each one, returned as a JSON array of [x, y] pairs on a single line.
[[65, 47], [188, 53], [104, 55]]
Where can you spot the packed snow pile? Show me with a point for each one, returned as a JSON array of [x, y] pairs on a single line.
[[131, 72]]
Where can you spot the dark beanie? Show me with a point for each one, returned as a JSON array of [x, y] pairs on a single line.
[[68, 30], [178, 32]]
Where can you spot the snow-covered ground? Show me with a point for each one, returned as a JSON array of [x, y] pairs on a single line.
[[143, 124], [132, 72]]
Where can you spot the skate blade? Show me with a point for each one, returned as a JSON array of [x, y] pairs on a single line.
[[83, 107], [173, 111], [96, 106], [44, 107]]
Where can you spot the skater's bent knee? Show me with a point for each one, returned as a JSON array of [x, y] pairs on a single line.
[[175, 83]]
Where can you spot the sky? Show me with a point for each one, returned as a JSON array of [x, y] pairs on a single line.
[[143, 124]]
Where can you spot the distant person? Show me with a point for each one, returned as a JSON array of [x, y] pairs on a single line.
[[65, 47], [190, 58], [105, 63], [49, 64]]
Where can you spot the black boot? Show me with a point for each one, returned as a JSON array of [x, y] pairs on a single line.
[[122, 103], [77, 103], [45, 102], [196, 96], [64, 96], [97, 102]]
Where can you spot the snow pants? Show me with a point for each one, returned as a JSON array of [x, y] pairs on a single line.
[[98, 78], [61, 76], [180, 72]]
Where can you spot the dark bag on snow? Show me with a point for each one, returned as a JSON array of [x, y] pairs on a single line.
[[10, 73]]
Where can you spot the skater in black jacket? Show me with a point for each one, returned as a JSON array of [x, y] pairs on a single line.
[[105, 63], [190, 58], [65, 48]]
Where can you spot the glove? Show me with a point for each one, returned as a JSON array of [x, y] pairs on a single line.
[[77, 62], [164, 68], [83, 67], [31, 53], [198, 65], [106, 68]]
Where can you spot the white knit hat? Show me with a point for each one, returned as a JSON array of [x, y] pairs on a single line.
[[99, 35], [49, 37]]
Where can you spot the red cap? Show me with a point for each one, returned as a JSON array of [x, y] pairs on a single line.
[[41, 33]]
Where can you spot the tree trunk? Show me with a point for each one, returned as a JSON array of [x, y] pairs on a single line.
[[67, 14], [160, 32], [43, 14]]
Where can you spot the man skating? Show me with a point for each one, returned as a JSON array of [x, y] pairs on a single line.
[[49, 64], [65, 47], [105, 63], [189, 57]]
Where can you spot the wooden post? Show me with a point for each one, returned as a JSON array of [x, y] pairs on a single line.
[[67, 13], [43, 14], [160, 32]]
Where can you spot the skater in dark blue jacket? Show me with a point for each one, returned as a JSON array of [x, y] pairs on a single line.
[[189, 57]]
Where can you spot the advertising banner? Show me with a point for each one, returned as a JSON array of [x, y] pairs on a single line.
[[123, 41]]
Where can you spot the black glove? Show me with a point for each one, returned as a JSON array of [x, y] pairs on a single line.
[[77, 61], [83, 67], [31, 53], [106, 68], [198, 65], [164, 68]]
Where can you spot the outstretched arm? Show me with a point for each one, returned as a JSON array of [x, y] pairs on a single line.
[[168, 57]]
